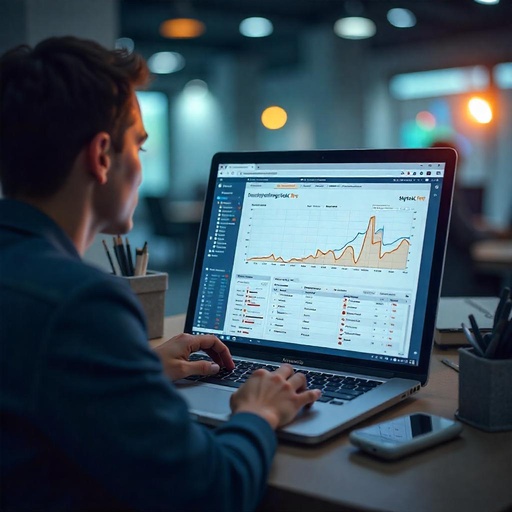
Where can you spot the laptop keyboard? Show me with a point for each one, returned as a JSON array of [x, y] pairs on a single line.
[[336, 389]]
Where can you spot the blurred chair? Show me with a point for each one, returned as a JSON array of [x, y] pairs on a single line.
[[462, 276], [474, 198], [182, 233]]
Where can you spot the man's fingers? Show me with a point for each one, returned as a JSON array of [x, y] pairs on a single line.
[[308, 397], [222, 358], [202, 368], [285, 370], [298, 381], [214, 348]]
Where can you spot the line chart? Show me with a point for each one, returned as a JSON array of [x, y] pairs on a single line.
[[366, 249]]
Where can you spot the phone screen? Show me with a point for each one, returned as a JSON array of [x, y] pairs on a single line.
[[402, 429]]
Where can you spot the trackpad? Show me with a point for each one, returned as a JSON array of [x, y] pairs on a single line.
[[207, 400]]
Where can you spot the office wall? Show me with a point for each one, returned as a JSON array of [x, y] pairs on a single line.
[[492, 149], [336, 94], [30, 21]]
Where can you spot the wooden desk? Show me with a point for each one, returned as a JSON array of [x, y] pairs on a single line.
[[473, 473]]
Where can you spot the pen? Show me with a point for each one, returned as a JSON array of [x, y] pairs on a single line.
[[109, 258], [122, 256], [472, 340], [451, 364], [492, 350], [130, 259], [505, 294], [118, 256], [505, 349], [477, 334]]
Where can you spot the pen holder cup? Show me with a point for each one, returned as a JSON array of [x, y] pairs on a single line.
[[150, 290], [485, 391]]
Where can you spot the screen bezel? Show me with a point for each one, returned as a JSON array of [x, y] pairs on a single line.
[[377, 368]]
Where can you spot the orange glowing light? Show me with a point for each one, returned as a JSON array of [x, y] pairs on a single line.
[[426, 120], [480, 110], [182, 28], [274, 118]]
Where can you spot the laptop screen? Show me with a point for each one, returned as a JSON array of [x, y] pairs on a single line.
[[327, 258]]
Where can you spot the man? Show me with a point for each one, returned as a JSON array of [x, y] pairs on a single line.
[[89, 417]]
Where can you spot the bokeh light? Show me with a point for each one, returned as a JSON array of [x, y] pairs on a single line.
[[355, 28], [401, 18], [480, 110], [166, 62], [426, 120], [274, 118], [182, 28], [256, 27]]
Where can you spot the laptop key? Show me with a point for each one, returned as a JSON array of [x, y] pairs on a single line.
[[333, 387], [223, 382]]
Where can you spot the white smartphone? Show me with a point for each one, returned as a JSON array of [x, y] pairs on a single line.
[[404, 435]]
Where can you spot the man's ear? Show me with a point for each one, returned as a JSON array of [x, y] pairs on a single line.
[[98, 156]]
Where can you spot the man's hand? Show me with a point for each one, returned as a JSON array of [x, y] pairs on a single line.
[[174, 354], [276, 396]]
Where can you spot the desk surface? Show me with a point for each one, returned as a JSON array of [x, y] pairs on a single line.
[[497, 252], [472, 473]]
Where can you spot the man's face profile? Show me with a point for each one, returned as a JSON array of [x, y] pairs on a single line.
[[118, 198]]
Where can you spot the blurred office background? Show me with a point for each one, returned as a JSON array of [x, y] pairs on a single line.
[[423, 71]]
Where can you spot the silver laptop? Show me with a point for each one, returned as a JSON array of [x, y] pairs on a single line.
[[330, 261]]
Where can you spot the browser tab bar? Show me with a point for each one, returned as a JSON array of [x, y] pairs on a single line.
[[235, 169], [404, 170]]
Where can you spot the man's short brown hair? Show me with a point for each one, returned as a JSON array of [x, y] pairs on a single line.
[[54, 99]]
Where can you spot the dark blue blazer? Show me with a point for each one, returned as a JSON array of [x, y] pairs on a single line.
[[88, 420]]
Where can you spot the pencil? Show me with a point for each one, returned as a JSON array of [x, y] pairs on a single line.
[[138, 262], [109, 258], [145, 256]]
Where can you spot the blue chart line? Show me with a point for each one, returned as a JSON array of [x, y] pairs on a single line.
[[363, 233]]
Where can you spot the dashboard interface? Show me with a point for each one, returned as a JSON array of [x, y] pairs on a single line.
[[328, 258]]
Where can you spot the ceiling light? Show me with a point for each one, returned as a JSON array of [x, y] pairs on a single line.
[[487, 2], [503, 75], [401, 18], [164, 63], [256, 27], [355, 28], [182, 28], [439, 82], [197, 88]]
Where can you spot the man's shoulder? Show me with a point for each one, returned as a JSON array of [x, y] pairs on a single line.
[[36, 267]]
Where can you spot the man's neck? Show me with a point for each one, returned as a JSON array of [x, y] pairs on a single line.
[[71, 215]]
